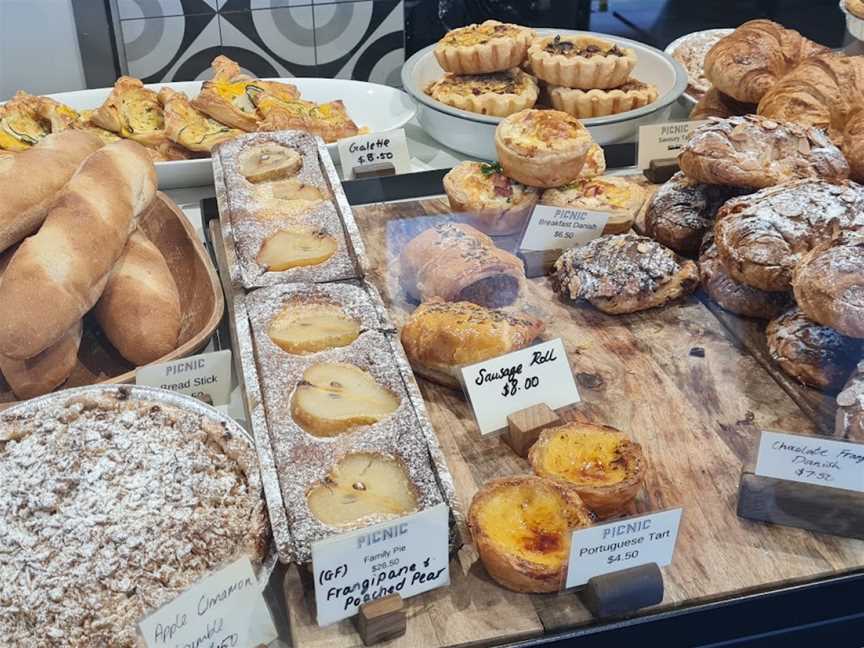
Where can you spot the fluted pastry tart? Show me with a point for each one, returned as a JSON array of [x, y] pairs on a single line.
[[491, 46], [583, 62], [584, 104], [498, 94], [521, 528]]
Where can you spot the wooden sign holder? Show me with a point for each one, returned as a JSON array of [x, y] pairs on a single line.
[[525, 425], [381, 620], [822, 509], [538, 263], [624, 591], [659, 171]]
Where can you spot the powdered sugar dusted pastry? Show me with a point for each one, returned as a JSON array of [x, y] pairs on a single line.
[[624, 273], [498, 94], [542, 148], [815, 355], [630, 95], [487, 199], [763, 236], [757, 152], [829, 283], [442, 337], [583, 62], [620, 198], [690, 53], [491, 46], [850, 407]]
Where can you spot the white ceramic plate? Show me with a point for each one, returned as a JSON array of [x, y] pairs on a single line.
[[377, 107], [690, 96], [473, 134]]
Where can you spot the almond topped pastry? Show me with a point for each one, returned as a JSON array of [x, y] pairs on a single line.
[[542, 148], [583, 62], [361, 489], [294, 248], [311, 325], [606, 468], [621, 198], [584, 104], [335, 397], [498, 94], [442, 337], [521, 527], [488, 199], [491, 46], [624, 273]]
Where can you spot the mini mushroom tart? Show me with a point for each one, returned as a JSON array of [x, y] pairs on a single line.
[[521, 527], [583, 62], [488, 199], [362, 488], [583, 104], [605, 467], [334, 398], [491, 46], [294, 248], [498, 94], [542, 148], [304, 326], [620, 198]]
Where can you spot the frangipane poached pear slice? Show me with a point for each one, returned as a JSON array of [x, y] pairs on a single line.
[[269, 161], [335, 397], [295, 248], [307, 328], [362, 485]]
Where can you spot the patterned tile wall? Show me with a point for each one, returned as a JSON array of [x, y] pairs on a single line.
[[175, 40]]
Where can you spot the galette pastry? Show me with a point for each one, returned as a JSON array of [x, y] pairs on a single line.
[[602, 463], [621, 199], [583, 62], [84, 124], [732, 295], [26, 119], [813, 354], [763, 236], [829, 283], [850, 407], [330, 120], [189, 128], [624, 273], [584, 104], [716, 104], [442, 337], [542, 148], [521, 528], [133, 112], [748, 62], [456, 262], [757, 152], [491, 46], [487, 199], [498, 94], [682, 210]]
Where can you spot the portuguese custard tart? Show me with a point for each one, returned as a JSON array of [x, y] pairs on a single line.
[[491, 46], [498, 94], [521, 527], [582, 62], [605, 467], [542, 148], [618, 197]]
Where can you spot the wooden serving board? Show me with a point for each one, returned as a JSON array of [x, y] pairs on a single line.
[[677, 381], [201, 302]]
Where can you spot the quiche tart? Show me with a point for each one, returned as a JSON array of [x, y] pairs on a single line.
[[632, 94], [491, 46], [488, 199], [583, 62], [621, 198], [133, 112], [521, 528], [606, 468], [189, 128], [542, 148], [498, 94]]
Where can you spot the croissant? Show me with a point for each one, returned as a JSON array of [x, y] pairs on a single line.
[[749, 61]]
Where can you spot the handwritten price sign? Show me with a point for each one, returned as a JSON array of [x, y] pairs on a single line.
[[375, 152], [538, 374], [811, 460]]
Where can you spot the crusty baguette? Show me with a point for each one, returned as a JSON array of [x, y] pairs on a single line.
[[58, 274], [30, 179], [140, 307], [45, 371]]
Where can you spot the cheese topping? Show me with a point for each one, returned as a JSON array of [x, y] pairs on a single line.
[[582, 457], [235, 93], [599, 191], [532, 130], [513, 81], [332, 112], [490, 188], [581, 46], [140, 112], [481, 34]]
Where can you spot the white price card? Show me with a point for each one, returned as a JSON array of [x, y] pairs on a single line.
[[559, 228], [406, 556], [207, 377], [661, 141], [506, 384], [375, 152], [811, 460], [213, 613], [622, 544]]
